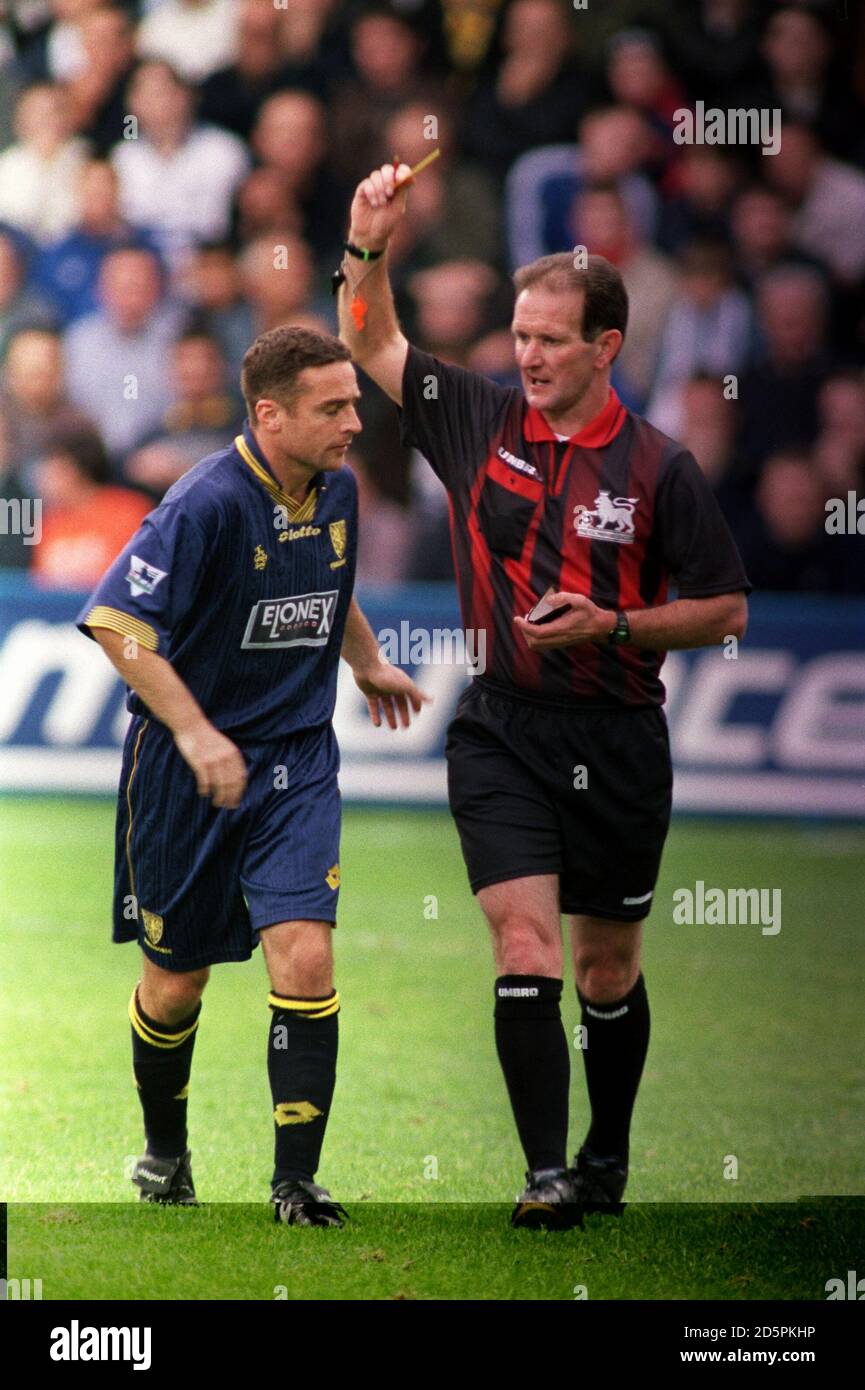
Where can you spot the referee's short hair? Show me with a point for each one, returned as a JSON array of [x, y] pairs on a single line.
[[606, 299], [272, 365]]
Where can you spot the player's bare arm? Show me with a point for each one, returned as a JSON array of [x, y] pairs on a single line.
[[386, 687], [379, 347], [217, 764], [684, 623]]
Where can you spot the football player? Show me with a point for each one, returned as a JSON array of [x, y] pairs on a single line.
[[226, 615]]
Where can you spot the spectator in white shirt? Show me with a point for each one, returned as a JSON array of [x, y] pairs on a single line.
[[64, 52], [829, 201], [118, 358], [40, 174], [196, 36], [176, 176]]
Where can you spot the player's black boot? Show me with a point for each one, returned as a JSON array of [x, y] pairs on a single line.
[[599, 1183], [165, 1180], [547, 1201], [306, 1204]]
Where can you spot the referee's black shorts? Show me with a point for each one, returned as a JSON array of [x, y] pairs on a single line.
[[515, 788]]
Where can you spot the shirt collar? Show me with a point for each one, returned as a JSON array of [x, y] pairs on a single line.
[[598, 432], [253, 447], [254, 459]]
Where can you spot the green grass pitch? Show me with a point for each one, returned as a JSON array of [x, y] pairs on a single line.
[[756, 1053]]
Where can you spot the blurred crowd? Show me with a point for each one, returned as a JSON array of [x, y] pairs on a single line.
[[175, 178]]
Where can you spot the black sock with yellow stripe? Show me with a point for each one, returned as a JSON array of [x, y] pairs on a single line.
[[301, 1064], [161, 1063]]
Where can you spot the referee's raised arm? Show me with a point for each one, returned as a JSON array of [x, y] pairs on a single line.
[[367, 317]]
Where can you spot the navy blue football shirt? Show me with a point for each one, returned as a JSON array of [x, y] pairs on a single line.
[[243, 590]]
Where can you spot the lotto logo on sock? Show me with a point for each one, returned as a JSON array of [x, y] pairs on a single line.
[[295, 1112]]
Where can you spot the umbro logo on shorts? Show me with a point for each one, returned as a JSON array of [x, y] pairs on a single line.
[[304, 620]]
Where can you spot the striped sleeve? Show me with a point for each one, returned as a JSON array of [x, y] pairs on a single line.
[[449, 414]]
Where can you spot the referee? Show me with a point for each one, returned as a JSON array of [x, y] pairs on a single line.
[[559, 771]]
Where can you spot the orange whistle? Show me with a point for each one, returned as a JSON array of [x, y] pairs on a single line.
[[359, 307]]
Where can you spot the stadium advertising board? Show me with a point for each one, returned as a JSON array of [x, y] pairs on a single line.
[[775, 725]]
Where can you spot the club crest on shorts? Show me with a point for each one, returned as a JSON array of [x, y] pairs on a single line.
[[153, 927], [611, 520], [338, 536]]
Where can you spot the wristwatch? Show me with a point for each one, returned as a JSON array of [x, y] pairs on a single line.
[[621, 632]]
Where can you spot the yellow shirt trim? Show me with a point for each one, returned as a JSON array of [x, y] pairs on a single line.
[[125, 624], [297, 511]]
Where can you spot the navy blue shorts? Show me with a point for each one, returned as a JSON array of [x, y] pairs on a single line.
[[195, 883]]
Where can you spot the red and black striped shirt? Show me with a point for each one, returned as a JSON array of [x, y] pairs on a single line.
[[618, 512]]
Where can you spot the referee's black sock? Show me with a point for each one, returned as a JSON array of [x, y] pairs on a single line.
[[533, 1052], [301, 1065], [617, 1038], [161, 1063]]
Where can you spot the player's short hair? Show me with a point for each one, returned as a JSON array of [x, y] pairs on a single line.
[[272, 365], [606, 300]]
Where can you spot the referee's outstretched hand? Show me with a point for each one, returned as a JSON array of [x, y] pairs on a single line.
[[391, 690], [220, 771]]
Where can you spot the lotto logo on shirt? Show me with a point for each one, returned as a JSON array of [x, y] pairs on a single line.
[[302, 621]]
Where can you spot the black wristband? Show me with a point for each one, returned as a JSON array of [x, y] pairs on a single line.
[[361, 252]]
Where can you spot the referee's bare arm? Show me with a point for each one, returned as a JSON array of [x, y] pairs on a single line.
[[379, 347], [683, 623], [217, 763]]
